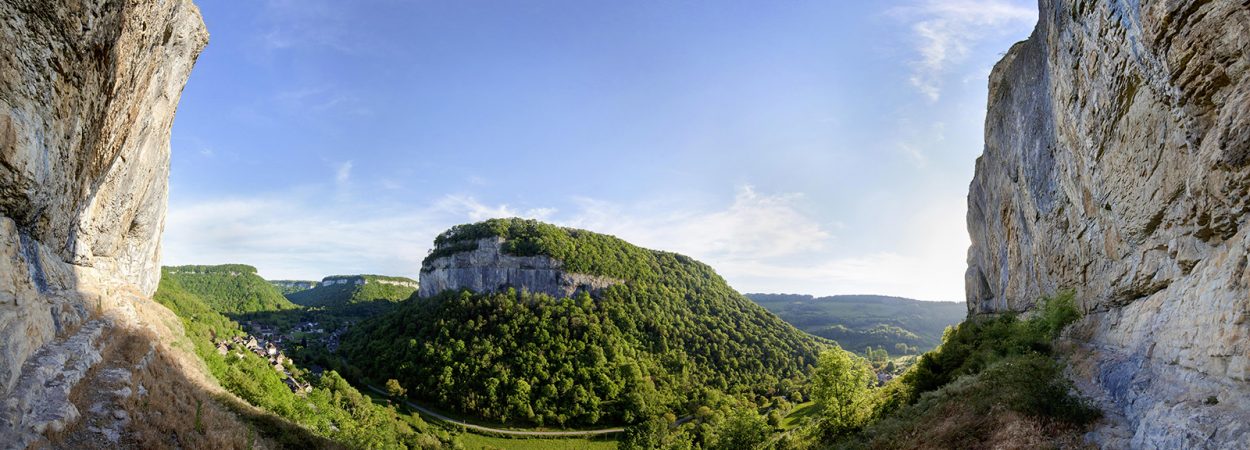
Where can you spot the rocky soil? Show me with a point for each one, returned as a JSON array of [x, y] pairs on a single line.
[[1117, 163]]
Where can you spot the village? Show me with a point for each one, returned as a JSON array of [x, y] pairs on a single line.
[[267, 341]]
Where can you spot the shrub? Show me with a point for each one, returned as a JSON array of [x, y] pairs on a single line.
[[1000, 368]]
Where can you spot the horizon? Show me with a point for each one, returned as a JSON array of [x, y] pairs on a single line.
[[763, 139]]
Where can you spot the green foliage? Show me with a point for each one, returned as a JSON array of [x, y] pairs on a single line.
[[972, 346], [859, 322], [229, 288], [744, 429], [841, 387], [982, 368], [372, 290], [580, 251], [1056, 313], [1034, 385], [482, 442], [333, 409], [394, 389], [644, 435], [972, 410], [652, 343]]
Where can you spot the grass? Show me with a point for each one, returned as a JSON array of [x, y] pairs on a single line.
[[799, 414], [476, 441]]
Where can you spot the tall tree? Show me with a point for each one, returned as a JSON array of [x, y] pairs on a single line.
[[840, 385]]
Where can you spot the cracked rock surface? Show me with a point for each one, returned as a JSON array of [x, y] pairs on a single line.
[[88, 91], [1117, 164]]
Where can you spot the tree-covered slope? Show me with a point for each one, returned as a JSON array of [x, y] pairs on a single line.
[[658, 342], [373, 288], [229, 288], [857, 322], [332, 410]]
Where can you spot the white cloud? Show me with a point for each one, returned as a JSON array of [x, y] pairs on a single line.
[[758, 241], [945, 31], [754, 226]]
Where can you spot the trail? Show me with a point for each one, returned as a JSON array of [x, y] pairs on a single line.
[[470, 426]]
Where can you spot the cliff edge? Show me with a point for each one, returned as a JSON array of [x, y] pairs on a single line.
[[1117, 164], [87, 98], [483, 266]]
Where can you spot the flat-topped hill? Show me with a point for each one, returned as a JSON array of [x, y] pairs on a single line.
[[339, 290], [230, 288], [665, 330]]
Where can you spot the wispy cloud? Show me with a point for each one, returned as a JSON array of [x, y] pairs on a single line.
[[944, 32], [287, 25], [343, 174]]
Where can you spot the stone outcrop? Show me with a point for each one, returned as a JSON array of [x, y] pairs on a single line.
[[366, 279], [87, 98], [1117, 164], [293, 285], [488, 269]]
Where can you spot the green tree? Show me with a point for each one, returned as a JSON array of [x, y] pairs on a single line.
[[840, 385], [646, 434], [744, 429], [394, 389]]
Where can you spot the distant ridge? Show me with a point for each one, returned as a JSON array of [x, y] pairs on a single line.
[[341, 290], [230, 288], [857, 322]]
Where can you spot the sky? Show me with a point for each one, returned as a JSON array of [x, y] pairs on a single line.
[[815, 147]]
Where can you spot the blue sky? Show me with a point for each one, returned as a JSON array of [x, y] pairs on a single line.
[[809, 147]]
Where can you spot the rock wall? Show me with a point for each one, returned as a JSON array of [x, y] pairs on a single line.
[[489, 269], [87, 98], [366, 279], [1117, 163]]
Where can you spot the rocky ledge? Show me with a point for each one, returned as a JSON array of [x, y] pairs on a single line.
[[487, 268]]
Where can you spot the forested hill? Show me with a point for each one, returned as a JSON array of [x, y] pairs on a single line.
[[672, 332], [229, 288], [857, 322], [343, 290]]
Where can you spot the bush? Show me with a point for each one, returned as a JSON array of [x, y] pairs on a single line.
[[972, 346], [986, 374], [1035, 385]]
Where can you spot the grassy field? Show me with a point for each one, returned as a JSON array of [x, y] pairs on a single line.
[[477, 441], [796, 416]]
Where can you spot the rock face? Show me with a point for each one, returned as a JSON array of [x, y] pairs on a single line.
[[489, 269], [87, 97], [366, 279], [1117, 164]]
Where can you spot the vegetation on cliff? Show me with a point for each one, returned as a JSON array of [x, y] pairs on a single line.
[[231, 289], [1003, 369], [673, 332], [373, 288], [859, 323], [333, 409]]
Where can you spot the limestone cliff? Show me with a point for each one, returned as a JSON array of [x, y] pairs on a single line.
[[487, 268], [87, 98], [1117, 163]]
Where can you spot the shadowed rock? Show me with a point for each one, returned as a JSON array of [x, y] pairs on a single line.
[[1115, 164]]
